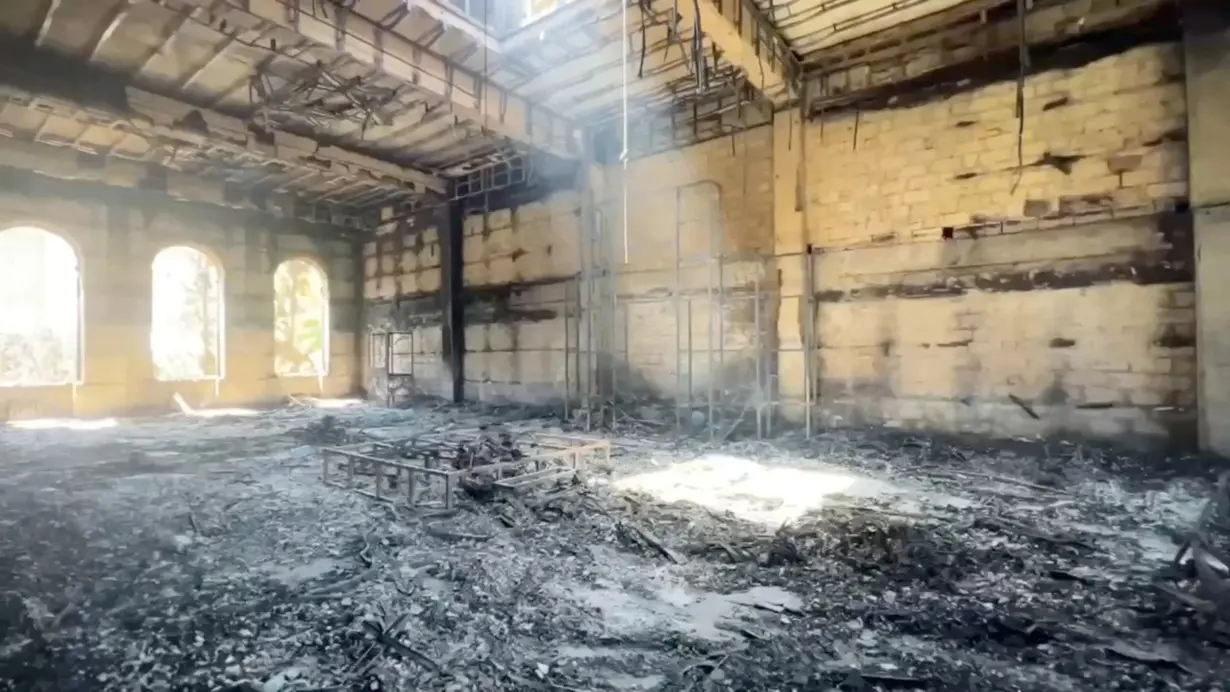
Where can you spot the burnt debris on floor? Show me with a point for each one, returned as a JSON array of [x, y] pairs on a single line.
[[198, 553]]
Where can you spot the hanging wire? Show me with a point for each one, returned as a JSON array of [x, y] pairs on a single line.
[[483, 94], [1023, 67], [644, 5], [626, 38]]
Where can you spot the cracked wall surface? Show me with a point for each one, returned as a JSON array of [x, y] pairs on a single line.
[[949, 280]]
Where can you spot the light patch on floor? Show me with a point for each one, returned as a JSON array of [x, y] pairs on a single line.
[[221, 412], [335, 403], [751, 490], [64, 424]]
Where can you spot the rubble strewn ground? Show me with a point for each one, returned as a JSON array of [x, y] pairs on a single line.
[[194, 553]]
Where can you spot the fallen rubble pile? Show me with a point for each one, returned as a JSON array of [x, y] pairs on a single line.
[[242, 571], [325, 431], [945, 587], [1197, 582]]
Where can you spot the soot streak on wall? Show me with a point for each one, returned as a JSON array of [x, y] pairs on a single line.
[[517, 282], [1097, 342], [953, 274], [521, 264], [1172, 262]]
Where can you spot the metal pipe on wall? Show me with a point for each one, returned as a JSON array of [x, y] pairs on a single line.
[[585, 377], [691, 363], [612, 280], [808, 328], [759, 393], [678, 304], [722, 325], [627, 345], [567, 348], [801, 196], [709, 336]]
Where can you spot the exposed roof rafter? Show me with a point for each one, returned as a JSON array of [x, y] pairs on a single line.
[[351, 31], [872, 66], [747, 40], [149, 114]]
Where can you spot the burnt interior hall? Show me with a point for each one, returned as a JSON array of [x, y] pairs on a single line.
[[614, 345]]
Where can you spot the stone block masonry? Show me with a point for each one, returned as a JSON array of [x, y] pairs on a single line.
[[521, 268], [957, 275], [1109, 136], [954, 335], [692, 321], [403, 355], [963, 279], [519, 277]]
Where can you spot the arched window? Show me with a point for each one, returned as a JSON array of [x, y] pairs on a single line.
[[186, 320], [40, 309], [301, 319]]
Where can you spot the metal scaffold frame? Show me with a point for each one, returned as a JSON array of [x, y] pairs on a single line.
[[601, 319], [413, 472], [597, 324]]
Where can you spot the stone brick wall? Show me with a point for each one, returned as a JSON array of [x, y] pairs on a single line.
[[403, 351], [688, 208], [1109, 136], [518, 281], [526, 339], [520, 288], [117, 233], [692, 317], [949, 281], [954, 288]]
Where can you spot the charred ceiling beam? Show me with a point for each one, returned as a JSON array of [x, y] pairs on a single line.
[[26, 76], [903, 38], [49, 16], [452, 303], [197, 126], [926, 62], [747, 40], [350, 29], [64, 173]]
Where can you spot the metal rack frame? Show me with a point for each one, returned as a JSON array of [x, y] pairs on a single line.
[[391, 467]]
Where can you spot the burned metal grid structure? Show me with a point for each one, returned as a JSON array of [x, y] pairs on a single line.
[[719, 378], [428, 469]]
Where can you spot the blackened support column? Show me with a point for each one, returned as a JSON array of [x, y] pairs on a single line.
[[1206, 43], [452, 302]]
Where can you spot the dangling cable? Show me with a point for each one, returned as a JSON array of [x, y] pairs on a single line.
[[640, 70], [1023, 68], [626, 38]]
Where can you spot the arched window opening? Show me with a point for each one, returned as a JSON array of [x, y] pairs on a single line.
[[186, 321], [40, 309], [301, 319]]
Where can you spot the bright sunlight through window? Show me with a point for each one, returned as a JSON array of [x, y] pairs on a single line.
[[301, 319], [40, 309], [186, 327]]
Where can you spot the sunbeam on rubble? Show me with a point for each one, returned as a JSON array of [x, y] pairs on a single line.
[[749, 489], [64, 424]]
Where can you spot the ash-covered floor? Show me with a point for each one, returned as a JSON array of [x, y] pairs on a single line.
[[194, 553]]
